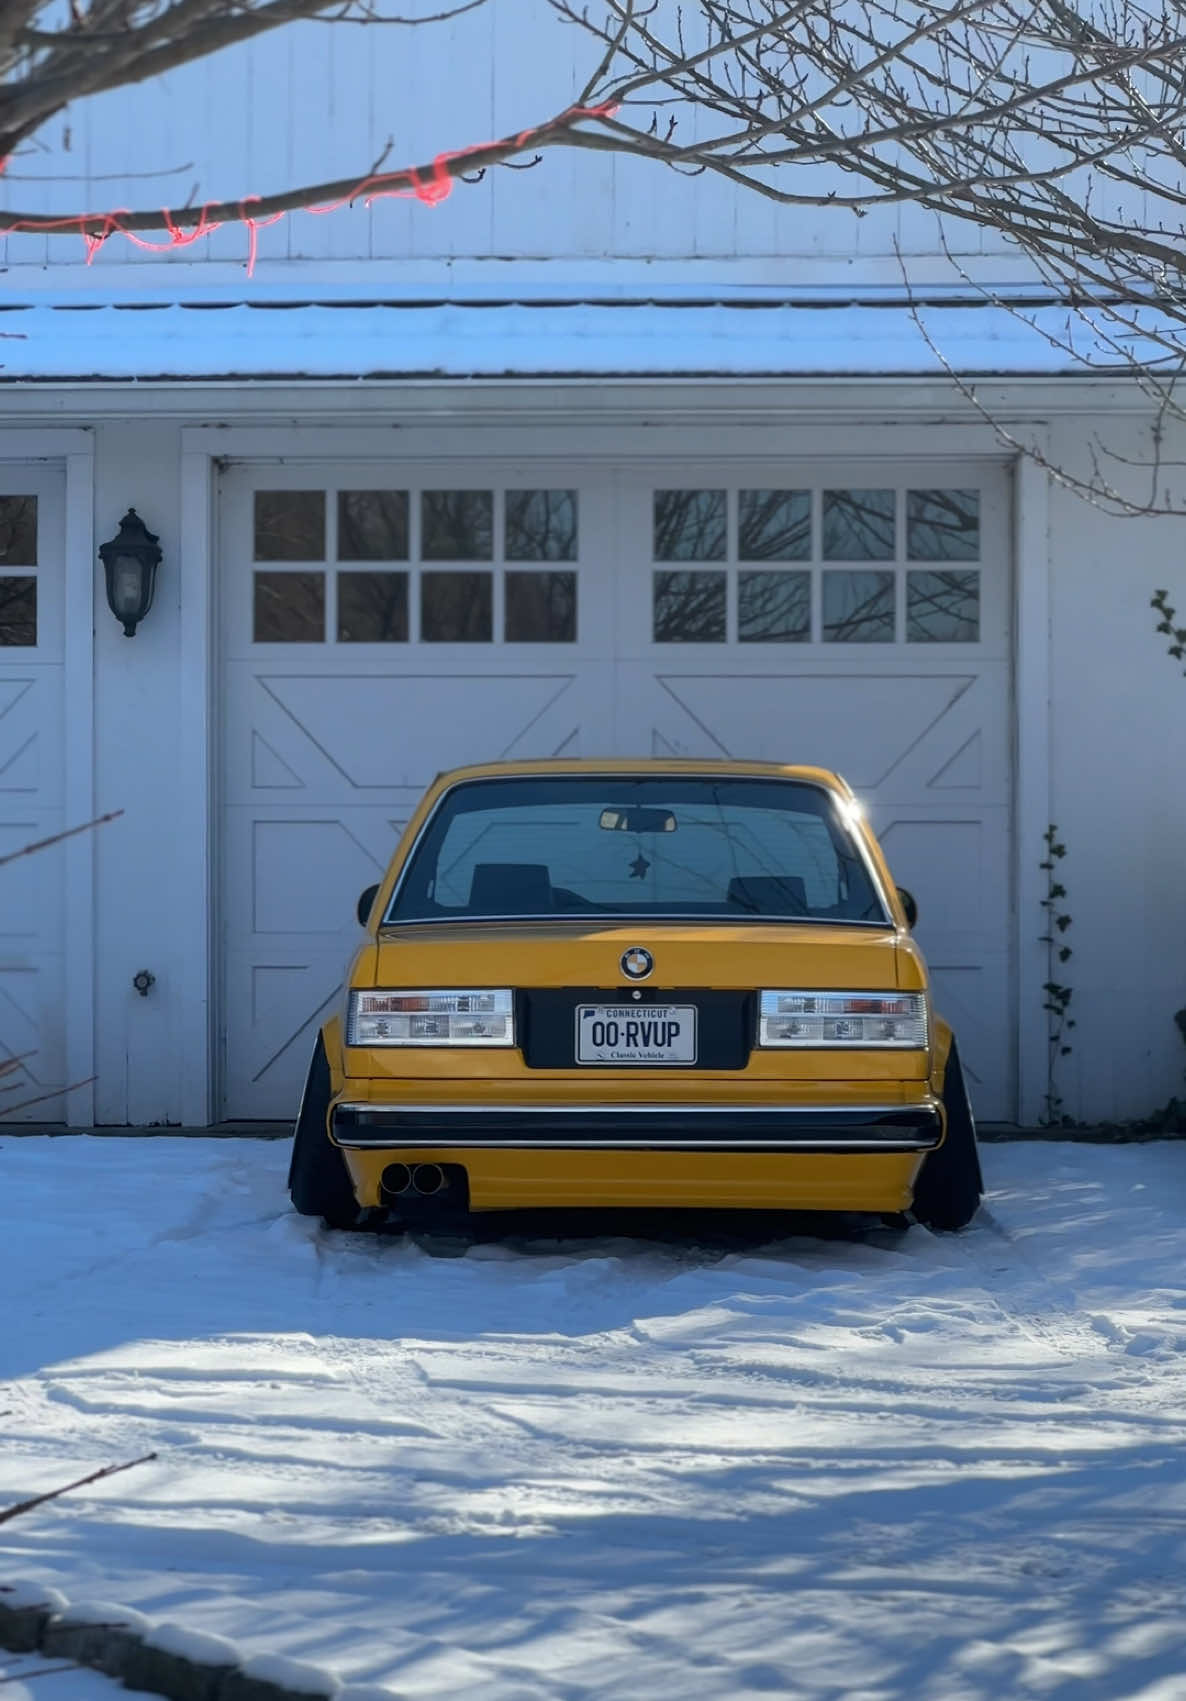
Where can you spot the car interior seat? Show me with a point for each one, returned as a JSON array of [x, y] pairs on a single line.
[[768, 894], [511, 888]]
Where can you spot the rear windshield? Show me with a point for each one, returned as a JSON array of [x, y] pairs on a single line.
[[577, 846]]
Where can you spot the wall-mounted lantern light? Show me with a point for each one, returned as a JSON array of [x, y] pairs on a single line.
[[130, 562]]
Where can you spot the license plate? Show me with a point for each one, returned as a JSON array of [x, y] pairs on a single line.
[[632, 1033]]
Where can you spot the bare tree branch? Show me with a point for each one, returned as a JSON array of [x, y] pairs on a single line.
[[57, 838], [38, 1671], [44, 1098], [22, 1506], [428, 182], [1057, 125]]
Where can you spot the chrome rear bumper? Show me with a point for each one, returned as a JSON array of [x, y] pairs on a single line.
[[643, 1127]]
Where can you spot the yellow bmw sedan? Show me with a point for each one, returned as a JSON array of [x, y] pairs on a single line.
[[674, 984]]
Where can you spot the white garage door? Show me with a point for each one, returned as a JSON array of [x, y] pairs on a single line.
[[31, 789], [382, 625]]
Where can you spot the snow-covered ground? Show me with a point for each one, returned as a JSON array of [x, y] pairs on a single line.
[[868, 1467]]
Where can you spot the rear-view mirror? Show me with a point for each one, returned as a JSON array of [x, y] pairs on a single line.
[[365, 902], [633, 818]]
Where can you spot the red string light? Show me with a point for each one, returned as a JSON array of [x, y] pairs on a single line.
[[409, 182]]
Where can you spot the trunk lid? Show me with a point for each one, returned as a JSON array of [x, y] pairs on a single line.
[[726, 955]]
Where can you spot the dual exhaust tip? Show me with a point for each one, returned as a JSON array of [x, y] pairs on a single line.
[[424, 1179]]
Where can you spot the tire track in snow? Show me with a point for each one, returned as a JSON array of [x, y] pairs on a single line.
[[1049, 1311]]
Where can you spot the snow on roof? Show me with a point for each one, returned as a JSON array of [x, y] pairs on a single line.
[[154, 340]]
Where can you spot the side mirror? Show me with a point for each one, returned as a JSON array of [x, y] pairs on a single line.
[[365, 903], [906, 899]]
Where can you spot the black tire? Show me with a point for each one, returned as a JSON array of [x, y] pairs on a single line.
[[947, 1192], [318, 1181]]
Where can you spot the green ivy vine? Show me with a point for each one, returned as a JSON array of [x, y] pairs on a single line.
[[1058, 995], [1176, 634]]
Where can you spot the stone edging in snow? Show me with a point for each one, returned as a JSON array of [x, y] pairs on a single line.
[[162, 1659]]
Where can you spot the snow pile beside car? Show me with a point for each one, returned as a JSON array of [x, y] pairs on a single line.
[[878, 1465]]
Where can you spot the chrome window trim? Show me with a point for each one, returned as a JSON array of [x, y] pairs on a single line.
[[670, 1108], [635, 920], [835, 798], [772, 1148]]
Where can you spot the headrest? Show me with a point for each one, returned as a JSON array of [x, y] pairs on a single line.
[[769, 894], [511, 888]]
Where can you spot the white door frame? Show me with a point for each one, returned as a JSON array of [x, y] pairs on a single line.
[[204, 447], [1032, 795]]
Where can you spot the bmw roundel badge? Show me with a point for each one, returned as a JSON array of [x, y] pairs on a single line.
[[637, 963]]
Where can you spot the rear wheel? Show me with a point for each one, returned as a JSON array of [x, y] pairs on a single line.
[[947, 1192], [318, 1182]]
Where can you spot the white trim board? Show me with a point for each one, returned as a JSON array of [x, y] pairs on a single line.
[[79, 708], [1032, 781], [194, 872]]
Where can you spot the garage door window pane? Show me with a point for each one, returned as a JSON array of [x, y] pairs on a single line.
[[18, 609], [689, 525], [773, 608], [774, 525], [457, 608], [289, 608], [541, 525], [457, 525], [689, 608], [541, 608], [372, 525], [943, 608], [290, 525], [858, 525], [943, 525], [372, 608], [18, 531], [858, 608]]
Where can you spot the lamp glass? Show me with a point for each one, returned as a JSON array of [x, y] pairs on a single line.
[[127, 587]]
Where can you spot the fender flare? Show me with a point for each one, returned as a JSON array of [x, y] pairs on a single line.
[[944, 1039], [331, 1039]]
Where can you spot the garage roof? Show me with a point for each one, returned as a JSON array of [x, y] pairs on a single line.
[[154, 340]]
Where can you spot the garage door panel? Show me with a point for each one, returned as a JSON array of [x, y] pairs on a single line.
[[281, 753], [891, 666], [32, 955], [27, 720], [280, 1005], [953, 865], [31, 982], [963, 770], [269, 770], [903, 727], [292, 865], [385, 732], [330, 745], [348, 737], [970, 999], [30, 1022], [965, 747], [295, 864], [669, 641]]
